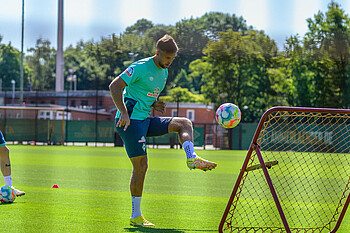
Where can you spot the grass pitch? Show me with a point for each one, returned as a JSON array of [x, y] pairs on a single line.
[[94, 190]]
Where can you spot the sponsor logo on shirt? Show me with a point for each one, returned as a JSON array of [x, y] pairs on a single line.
[[154, 94], [129, 71]]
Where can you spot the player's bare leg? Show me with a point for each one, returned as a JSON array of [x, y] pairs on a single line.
[[5, 161], [140, 166], [6, 168], [183, 127]]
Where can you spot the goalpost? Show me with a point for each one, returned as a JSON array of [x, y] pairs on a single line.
[[296, 175], [33, 123]]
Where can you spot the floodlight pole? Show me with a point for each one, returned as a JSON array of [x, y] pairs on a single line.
[[59, 57], [22, 73]]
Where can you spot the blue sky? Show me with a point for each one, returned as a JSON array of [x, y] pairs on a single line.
[[92, 19]]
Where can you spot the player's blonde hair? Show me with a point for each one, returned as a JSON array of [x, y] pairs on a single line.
[[167, 44]]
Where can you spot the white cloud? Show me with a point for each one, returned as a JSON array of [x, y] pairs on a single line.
[[132, 10], [10, 10], [346, 7], [254, 12], [301, 11], [193, 8], [78, 13]]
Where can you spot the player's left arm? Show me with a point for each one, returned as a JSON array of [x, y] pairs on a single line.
[[159, 106]]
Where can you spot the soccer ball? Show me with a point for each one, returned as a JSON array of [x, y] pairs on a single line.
[[228, 115], [7, 194]]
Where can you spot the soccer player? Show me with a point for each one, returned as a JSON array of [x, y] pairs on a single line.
[[135, 92], [6, 165]]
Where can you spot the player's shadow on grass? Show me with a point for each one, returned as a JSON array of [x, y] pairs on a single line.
[[161, 230]]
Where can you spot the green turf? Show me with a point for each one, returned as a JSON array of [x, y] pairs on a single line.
[[94, 190]]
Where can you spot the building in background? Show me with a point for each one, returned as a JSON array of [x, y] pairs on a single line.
[[94, 105], [80, 105], [197, 113]]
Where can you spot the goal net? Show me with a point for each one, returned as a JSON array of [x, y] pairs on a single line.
[[296, 175]]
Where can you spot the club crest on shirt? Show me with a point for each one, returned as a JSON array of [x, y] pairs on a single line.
[[129, 71], [143, 139]]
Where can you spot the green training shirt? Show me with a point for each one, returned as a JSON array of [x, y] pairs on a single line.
[[145, 81]]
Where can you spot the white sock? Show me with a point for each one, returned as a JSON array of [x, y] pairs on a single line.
[[136, 206], [188, 147], [8, 180]]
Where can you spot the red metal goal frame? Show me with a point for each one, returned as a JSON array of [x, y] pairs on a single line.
[[255, 147]]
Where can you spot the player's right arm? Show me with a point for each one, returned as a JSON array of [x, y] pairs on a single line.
[[116, 88]]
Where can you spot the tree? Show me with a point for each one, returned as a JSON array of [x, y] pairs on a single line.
[[299, 69], [109, 54], [158, 31], [140, 27], [9, 65], [189, 35], [182, 80], [135, 47], [237, 71], [42, 61], [215, 22], [183, 95], [327, 46], [197, 69]]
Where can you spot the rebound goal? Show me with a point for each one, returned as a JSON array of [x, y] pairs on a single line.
[[296, 175]]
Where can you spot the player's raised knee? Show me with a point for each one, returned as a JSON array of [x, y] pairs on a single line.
[[178, 124], [186, 122], [182, 121]]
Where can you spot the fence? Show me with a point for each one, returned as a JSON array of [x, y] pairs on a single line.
[[207, 136], [88, 117]]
